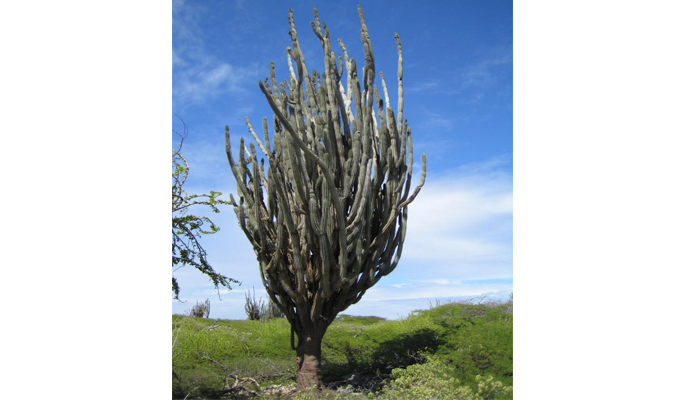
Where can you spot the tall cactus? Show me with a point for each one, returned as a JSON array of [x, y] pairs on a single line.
[[337, 188]]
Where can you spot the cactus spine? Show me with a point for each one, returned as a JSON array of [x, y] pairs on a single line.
[[337, 188]]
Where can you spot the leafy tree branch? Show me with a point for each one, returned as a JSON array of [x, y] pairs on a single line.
[[188, 228]]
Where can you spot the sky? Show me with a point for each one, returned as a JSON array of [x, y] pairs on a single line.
[[458, 85]]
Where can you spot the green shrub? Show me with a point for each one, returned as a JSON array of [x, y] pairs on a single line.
[[434, 381], [429, 381], [477, 340], [489, 388]]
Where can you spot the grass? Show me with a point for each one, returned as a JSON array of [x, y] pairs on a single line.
[[467, 340]]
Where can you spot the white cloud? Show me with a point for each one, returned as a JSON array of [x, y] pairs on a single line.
[[208, 78], [462, 217], [439, 281], [198, 75]]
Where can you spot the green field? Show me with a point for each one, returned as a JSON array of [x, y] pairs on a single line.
[[452, 351]]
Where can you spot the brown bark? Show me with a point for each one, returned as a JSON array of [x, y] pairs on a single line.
[[309, 359]]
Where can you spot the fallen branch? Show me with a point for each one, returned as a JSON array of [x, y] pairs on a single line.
[[237, 386]]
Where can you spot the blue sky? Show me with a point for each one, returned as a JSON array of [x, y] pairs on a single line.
[[458, 84]]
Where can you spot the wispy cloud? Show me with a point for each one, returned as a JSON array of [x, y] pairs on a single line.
[[477, 76], [437, 121], [487, 74], [483, 73], [208, 79], [422, 87], [198, 75]]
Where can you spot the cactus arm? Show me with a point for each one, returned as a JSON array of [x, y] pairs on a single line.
[[326, 172]]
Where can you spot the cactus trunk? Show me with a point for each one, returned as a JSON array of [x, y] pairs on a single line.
[[309, 358]]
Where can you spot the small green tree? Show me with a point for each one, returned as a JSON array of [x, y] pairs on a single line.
[[188, 228]]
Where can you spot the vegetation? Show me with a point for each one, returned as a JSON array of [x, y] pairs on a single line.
[[201, 310], [259, 309], [338, 186], [253, 307], [434, 380], [189, 228], [457, 351]]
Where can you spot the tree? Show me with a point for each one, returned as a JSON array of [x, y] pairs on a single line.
[[188, 228], [337, 188]]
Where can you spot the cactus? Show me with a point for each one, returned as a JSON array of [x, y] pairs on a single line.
[[327, 218]]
